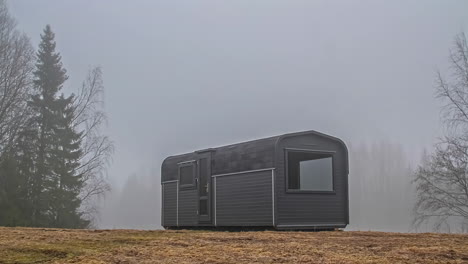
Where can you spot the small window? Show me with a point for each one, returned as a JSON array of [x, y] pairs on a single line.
[[187, 176], [309, 171]]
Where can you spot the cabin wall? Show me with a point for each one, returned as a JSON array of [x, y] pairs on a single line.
[[253, 155], [183, 213], [169, 204], [170, 167], [244, 199], [312, 209], [188, 206], [250, 199]]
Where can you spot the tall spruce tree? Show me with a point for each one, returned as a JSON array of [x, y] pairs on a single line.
[[55, 183], [67, 183]]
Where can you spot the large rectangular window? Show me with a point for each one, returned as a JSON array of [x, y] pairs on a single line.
[[309, 171], [187, 176]]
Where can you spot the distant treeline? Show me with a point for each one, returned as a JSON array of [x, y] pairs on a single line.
[[52, 154], [381, 193]]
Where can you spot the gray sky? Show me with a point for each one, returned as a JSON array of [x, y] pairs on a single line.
[[185, 75]]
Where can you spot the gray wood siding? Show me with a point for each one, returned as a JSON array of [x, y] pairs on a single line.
[[170, 168], [310, 209], [244, 199], [252, 155], [169, 206], [188, 206]]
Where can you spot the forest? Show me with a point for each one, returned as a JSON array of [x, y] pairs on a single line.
[[52, 152]]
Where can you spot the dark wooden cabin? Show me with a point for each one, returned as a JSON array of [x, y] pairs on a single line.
[[293, 181]]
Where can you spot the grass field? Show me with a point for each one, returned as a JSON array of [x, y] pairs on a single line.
[[30, 245]]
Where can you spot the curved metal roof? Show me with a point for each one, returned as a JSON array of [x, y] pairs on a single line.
[[248, 155]]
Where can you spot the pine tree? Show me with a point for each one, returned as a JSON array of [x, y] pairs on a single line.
[[55, 183], [67, 183]]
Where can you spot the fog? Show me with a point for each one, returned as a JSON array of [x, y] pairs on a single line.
[[187, 75]]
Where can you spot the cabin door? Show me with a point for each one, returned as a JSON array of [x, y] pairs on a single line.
[[204, 188]]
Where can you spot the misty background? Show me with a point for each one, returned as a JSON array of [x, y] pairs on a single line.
[[187, 75]]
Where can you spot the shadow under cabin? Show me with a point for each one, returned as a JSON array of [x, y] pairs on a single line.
[[295, 181]]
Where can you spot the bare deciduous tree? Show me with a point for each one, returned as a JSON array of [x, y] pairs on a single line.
[[97, 148], [442, 178], [16, 66]]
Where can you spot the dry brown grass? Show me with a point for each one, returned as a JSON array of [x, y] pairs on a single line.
[[32, 245]]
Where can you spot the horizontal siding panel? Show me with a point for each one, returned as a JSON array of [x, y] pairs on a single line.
[[244, 199], [169, 205], [188, 206]]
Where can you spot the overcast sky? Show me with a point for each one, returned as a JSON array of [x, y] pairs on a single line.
[[186, 75]]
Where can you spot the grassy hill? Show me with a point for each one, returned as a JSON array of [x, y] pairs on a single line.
[[33, 245]]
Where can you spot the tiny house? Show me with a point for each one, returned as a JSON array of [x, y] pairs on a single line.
[[293, 181]]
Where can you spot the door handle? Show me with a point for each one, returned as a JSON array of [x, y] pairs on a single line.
[[207, 187]]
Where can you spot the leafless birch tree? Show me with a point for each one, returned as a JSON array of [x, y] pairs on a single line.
[[442, 178], [16, 66], [97, 148]]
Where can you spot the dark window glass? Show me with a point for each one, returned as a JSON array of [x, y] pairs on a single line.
[[186, 175], [309, 171], [203, 207], [203, 177]]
